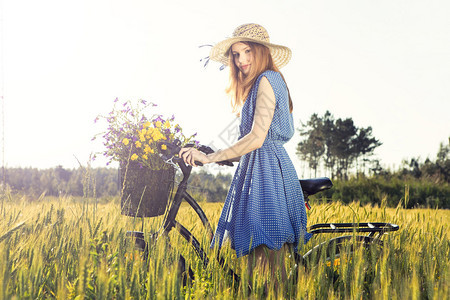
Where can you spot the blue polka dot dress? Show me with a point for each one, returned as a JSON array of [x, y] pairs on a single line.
[[265, 203]]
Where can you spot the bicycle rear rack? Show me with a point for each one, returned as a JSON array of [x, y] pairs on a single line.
[[371, 227]]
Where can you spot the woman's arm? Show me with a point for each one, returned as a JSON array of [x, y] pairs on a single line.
[[264, 110]]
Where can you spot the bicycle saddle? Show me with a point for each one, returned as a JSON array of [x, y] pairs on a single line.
[[315, 185]]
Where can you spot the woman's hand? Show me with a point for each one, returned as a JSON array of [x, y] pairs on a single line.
[[190, 155]]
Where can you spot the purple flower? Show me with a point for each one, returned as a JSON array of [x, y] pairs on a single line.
[[115, 100], [159, 118]]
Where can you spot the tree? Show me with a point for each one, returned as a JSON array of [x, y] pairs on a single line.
[[438, 170], [338, 143], [364, 145], [443, 161], [343, 148], [312, 148], [328, 131]]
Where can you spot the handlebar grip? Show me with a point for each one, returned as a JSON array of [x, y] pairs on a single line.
[[205, 149], [226, 163]]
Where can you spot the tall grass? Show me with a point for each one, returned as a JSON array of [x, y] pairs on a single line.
[[69, 248]]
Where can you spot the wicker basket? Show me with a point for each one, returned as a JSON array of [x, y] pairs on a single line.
[[145, 191]]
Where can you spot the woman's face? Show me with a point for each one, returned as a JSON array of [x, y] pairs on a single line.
[[242, 57]]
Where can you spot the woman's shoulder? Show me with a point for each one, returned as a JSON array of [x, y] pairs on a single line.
[[274, 78], [270, 74]]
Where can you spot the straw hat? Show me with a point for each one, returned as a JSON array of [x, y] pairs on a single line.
[[251, 33]]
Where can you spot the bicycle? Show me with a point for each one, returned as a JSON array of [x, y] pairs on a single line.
[[330, 250]]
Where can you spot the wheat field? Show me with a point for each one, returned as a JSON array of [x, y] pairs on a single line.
[[68, 248]]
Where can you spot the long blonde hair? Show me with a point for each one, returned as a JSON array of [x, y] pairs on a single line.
[[239, 85]]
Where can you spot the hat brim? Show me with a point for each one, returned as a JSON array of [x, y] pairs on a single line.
[[280, 54]]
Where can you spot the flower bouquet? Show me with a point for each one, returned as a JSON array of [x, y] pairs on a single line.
[[132, 139]]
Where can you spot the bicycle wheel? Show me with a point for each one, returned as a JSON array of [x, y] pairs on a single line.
[[139, 244], [340, 250]]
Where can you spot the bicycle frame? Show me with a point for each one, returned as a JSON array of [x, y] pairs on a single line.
[[170, 222]]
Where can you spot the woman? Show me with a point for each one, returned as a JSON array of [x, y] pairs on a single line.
[[264, 209]]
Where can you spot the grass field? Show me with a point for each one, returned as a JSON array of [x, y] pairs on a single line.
[[76, 249]]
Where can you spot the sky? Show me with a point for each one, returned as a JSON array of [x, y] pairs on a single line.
[[385, 64]]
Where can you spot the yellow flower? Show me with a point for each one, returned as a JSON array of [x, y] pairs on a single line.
[[158, 124], [163, 147], [167, 124], [134, 156], [156, 136], [145, 157], [144, 131], [147, 149], [125, 141], [138, 144], [142, 137], [147, 124]]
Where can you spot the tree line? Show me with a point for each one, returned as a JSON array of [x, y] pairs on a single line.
[[60, 181], [101, 182], [417, 183], [340, 147], [337, 145], [437, 170]]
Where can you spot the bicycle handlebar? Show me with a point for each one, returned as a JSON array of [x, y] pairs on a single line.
[[174, 148]]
